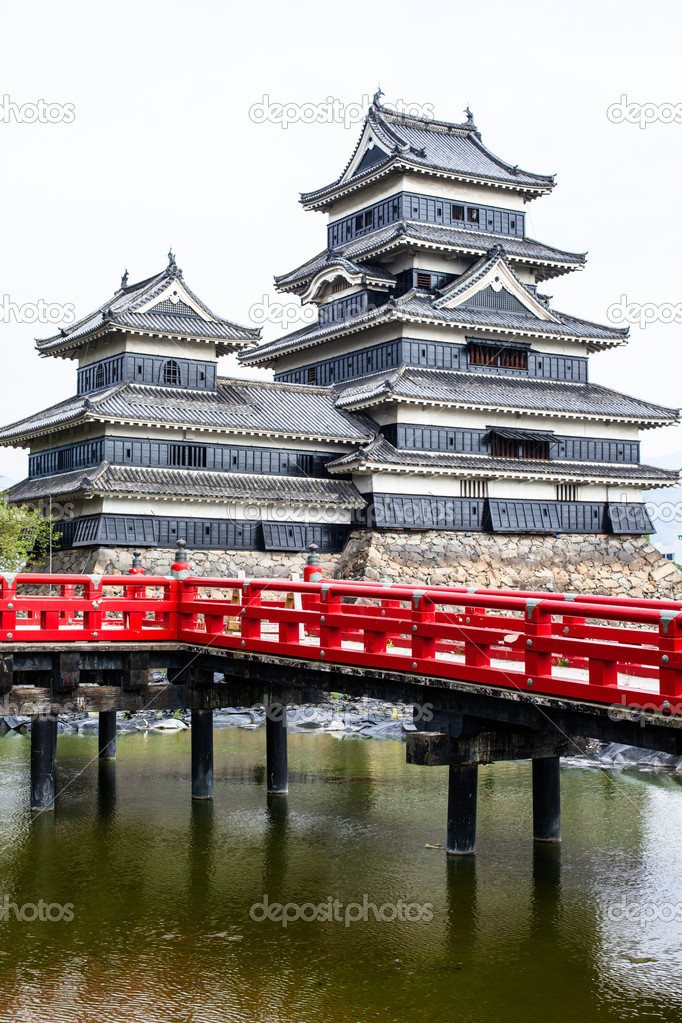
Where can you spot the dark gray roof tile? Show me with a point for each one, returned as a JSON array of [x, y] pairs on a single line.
[[252, 406], [187, 483], [481, 390]]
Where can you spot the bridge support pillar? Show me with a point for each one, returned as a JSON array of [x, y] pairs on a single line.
[[462, 794], [202, 754], [43, 761], [107, 735], [546, 800], [276, 744]]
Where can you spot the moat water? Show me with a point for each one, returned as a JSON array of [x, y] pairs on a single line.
[[153, 897]]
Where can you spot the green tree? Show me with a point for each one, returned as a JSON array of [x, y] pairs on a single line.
[[25, 536]]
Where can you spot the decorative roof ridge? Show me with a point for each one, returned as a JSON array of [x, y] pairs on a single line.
[[428, 124], [127, 300]]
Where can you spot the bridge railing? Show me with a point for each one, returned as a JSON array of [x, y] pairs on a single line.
[[87, 608], [593, 648]]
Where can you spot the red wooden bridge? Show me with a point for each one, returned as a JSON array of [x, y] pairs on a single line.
[[509, 674]]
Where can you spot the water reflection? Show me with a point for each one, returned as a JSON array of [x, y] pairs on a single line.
[[163, 888]]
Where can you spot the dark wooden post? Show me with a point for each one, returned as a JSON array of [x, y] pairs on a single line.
[[546, 800], [202, 754], [462, 794], [107, 735], [43, 761], [276, 745]]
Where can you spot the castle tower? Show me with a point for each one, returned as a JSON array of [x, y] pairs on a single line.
[[431, 322]]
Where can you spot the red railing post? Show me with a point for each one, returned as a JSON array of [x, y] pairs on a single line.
[[670, 647], [330, 635], [538, 624], [423, 613], [133, 620], [251, 625], [92, 617], [476, 654], [8, 605]]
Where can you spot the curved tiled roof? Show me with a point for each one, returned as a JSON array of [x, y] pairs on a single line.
[[381, 454], [417, 306], [246, 406], [425, 143], [474, 243], [136, 481], [123, 310], [501, 393]]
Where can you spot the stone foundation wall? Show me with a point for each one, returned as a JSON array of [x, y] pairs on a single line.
[[627, 566], [574, 563]]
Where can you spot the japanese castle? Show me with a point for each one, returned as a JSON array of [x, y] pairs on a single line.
[[438, 388]]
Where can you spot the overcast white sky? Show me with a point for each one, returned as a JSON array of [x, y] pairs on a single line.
[[163, 150]]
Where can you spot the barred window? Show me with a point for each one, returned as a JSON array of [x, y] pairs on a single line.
[[473, 488], [171, 372], [567, 492]]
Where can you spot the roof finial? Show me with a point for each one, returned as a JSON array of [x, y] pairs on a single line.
[[124, 279], [470, 116], [377, 96], [171, 258]]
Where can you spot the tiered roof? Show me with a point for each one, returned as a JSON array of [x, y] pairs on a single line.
[[528, 316], [158, 305], [247, 407], [391, 141], [188, 485], [486, 392], [381, 455]]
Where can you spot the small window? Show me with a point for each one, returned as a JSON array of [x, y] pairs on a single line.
[[139, 369], [423, 280], [472, 214], [512, 225], [312, 374], [473, 488], [171, 373], [368, 218], [458, 213], [358, 222], [567, 492], [439, 213], [99, 376]]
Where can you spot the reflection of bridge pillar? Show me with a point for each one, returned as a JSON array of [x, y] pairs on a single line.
[[462, 792], [43, 761], [546, 800], [276, 746], [107, 735], [202, 754]]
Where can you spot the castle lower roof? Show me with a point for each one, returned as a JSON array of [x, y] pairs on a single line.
[[187, 484], [556, 398], [381, 455], [242, 406]]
